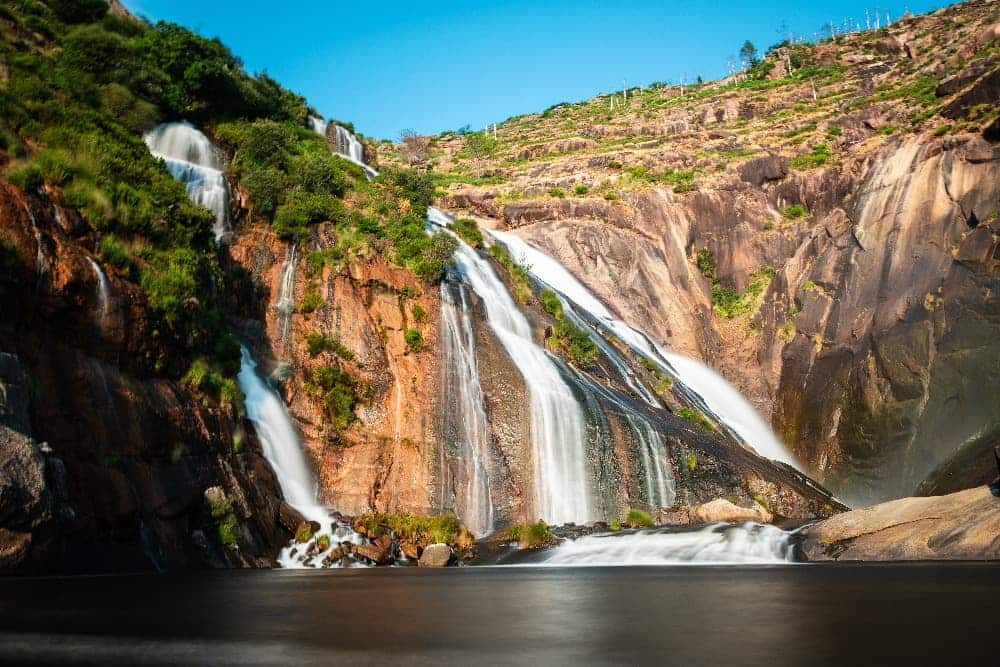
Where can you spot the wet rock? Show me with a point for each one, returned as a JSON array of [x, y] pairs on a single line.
[[959, 526], [723, 511], [436, 555], [289, 517], [373, 553]]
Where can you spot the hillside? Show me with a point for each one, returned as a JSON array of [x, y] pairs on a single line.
[[822, 229]]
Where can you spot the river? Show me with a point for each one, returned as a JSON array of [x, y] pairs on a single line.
[[764, 615]]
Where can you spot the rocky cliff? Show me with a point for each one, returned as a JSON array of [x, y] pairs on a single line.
[[822, 230], [105, 462]]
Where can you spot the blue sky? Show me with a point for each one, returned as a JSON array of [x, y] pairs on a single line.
[[389, 66]]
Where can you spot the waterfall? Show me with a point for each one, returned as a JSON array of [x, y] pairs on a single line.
[[192, 159], [103, 298], [660, 488], [749, 543], [281, 446], [347, 144], [286, 297], [41, 263], [562, 484], [721, 398], [460, 384], [317, 125]]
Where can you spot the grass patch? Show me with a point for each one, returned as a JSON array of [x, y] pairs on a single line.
[[696, 417], [336, 392], [468, 230], [414, 340], [318, 343], [795, 212], [530, 535], [638, 519], [519, 276]]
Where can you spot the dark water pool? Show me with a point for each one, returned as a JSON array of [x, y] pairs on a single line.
[[922, 614]]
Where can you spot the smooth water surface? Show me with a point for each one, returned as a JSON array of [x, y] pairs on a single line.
[[774, 615]]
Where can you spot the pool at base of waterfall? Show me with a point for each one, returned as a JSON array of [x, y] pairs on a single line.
[[763, 615]]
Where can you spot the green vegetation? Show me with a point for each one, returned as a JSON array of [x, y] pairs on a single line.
[[311, 302], [443, 529], [221, 509], [558, 193], [336, 391], [581, 189], [696, 417], [638, 519], [519, 276], [768, 225], [726, 301], [304, 533], [795, 211], [468, 230], [573, 340], [323, 542], [414, 340], [530, 535], [820, 155], [211, 379], [691, 462], [318, 343], [481, 144], [809, 286], [419, 313]]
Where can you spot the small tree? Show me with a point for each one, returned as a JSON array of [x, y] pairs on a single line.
[[748, 54], [416, 148]]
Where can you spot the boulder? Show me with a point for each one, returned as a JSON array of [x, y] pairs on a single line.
[[435, 555], [372, 552], [723, 511], [764, 169], [958, 526]]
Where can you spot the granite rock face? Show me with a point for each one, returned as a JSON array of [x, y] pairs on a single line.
[[959, 526]]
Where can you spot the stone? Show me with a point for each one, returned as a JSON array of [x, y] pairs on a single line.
[[958, 526], [721, 510], [435, 555], [764, 169]]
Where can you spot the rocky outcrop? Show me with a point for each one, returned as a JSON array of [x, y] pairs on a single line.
[[436, 555], [721, 510], [110, 459], [960, 526]]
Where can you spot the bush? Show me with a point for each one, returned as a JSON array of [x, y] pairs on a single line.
[[468, 230], [638, 519], [530, 535], [519, 276], [820, 155], [611, 195], [559, 193], [481, 144], [419, 313], [318, 343], [79, 11], [581, 189], [551, 303], [443, 529], [229, 531], [795, 211], [311, 302], [323, 542], [304, 533], [414, 340], [768, 225], [335, 390], [580, 349], [114, 252]]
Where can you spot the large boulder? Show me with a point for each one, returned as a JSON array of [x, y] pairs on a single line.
[[435, 555], [723, 511], [764, 169], [959, 526]]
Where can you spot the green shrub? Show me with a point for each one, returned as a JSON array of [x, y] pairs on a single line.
[[809, 286], [730, 303], [704, 259], [942, 130], [551, 303], [692, 462], [638, 519], [336, 391], [468, 230], [229, 531], [419, 313], [481, 144], [311, 302], [819, 156], [696, 417], [323, 542], [414, 340], [443, 529], [581, 189], [519, 276], [795, 211], [530, 535], [558, 193], [834, 131], [611, 195], [114, 252], [580, 349], [318, 343], [210, 379], [768, 225]]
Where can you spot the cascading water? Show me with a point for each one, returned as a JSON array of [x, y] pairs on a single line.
[[469, 424], [280, 443], [721, 398], [348, 145], [103, 292], [285, 306], [317, 125], [562, 483], [192, 159], [718, 544]]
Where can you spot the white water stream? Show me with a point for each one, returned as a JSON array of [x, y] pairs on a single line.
[[192, 159], [721, 398], [461, 383], [719, 544], [558, 432], [103, 293]]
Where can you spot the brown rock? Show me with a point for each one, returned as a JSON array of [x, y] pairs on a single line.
[[723, 511], [435, 555], [959, 526], [763, 169]]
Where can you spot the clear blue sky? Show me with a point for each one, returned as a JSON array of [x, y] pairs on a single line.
[[387, 65]]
